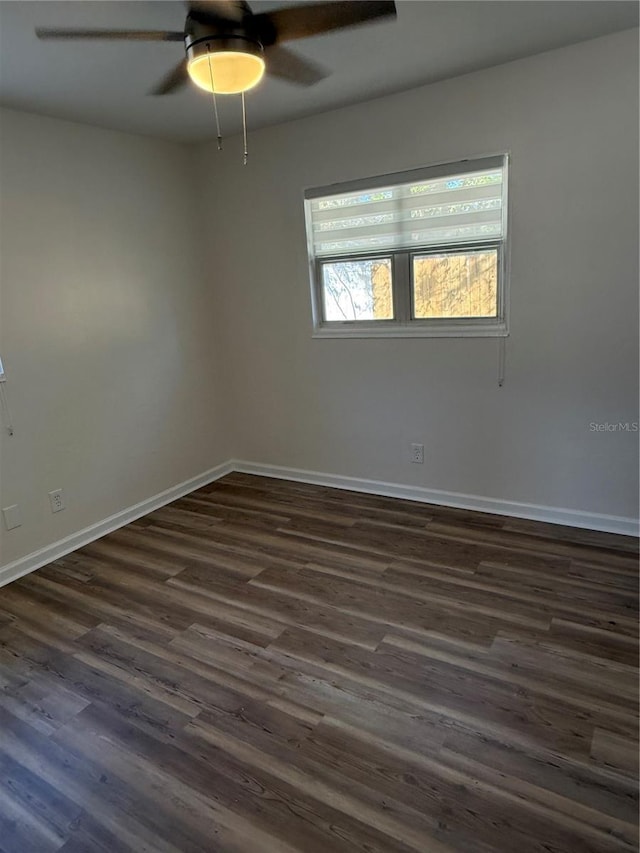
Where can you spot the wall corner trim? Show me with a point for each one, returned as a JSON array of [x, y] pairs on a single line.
[[37, 559]]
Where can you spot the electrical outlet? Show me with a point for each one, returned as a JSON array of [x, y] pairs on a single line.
[[417, 453], [56, 500], [12, 517]]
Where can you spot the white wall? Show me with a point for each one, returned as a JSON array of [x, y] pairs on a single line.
[[106, 326], [351, 407]]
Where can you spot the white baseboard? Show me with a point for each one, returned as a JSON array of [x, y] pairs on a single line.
[[552, 515], [37, 559]]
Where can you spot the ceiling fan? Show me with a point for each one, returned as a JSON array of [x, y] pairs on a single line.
[[228, 47]]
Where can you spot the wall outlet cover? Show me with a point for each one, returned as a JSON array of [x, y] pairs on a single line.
[[56, 500], [417, 453], [12, 516]]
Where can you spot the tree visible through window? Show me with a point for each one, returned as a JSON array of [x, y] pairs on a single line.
[[358, 290], [461, 284]]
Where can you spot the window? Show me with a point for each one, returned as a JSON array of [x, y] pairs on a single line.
[[415, 253]]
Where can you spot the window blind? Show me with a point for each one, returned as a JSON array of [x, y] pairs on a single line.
[[430, 207]]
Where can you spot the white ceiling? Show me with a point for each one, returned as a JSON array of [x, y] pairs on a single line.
[[106, 83]]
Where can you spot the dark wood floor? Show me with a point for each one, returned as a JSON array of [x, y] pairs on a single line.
[[270, 667]]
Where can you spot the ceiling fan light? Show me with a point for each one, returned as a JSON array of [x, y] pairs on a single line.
[[233, 68]]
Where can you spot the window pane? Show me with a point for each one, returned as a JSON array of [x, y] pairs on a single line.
[[357, 290], [456, 284]]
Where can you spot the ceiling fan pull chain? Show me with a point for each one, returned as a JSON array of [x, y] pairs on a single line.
[[215, 103], [244, 130]]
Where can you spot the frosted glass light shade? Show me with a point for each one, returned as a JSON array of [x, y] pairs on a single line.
[[232, 71]]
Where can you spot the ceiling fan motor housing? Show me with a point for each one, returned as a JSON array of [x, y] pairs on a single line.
[[213, 43], [201, 39]]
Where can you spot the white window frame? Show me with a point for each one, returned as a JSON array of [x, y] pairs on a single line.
[[404, 325]]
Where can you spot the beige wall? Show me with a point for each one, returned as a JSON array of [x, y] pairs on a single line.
[[106, 326], [351, 407]]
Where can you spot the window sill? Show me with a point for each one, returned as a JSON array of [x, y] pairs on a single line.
[[410, 330]]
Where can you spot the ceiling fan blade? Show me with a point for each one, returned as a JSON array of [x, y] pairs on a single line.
[[284, 63], [111, 35], [310, 19], [172, 81]]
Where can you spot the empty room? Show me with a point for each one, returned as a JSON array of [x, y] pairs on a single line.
[[319, 426]]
